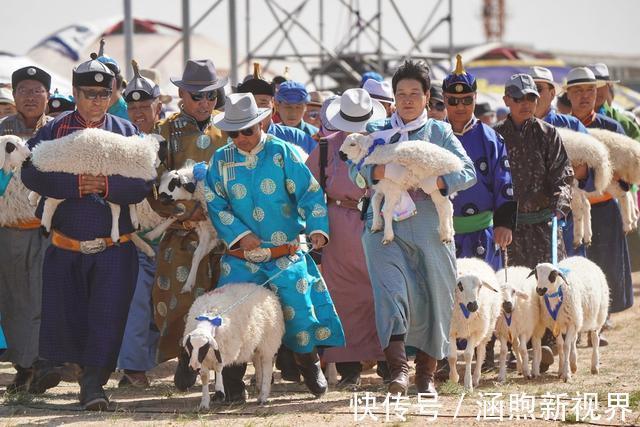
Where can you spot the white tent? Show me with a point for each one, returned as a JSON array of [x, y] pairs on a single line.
[[9, 63]]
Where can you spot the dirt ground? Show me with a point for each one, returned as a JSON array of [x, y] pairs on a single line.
[[290, 404]]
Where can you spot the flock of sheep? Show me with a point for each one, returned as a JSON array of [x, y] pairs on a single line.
[[569, 298]]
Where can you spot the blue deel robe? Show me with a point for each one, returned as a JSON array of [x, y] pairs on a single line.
[[413, 278], [85, 298], [273, 195], [293, 135], [492, 192]]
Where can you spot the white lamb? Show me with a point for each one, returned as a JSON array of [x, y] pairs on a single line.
[[251, 330], [422, 160], [181, 185], [519, 320], [584, 149], [97, 152], [577, 291], [474, 316], [14, 205], [624, 153]]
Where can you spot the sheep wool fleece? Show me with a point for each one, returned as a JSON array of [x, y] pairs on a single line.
[[187, 143], [491, 197], [413, 277], [21, 279], [85, 297], [272, 194]]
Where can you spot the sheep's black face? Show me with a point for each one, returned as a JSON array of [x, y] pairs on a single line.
[[541, 291], [472, 306], [165, 198], [507, 306], [343, 156]]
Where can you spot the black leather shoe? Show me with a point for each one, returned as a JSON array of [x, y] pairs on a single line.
[[92, 396], [309, 365], [20, 380], [286, 363], [185, 377], [46, 375]]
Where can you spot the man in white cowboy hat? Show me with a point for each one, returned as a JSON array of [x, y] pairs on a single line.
[[604, 100], [347, 277], [381, 92], [608, 246], [190, 137], [546, 86], [261, 197]]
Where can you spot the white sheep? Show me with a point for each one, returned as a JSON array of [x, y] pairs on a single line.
[[474, 316], [422, 160], [577, 291], [519, 320], [14, 205], [178, 185], [251, 330], [624, 153], [584, 149], [97, 152]]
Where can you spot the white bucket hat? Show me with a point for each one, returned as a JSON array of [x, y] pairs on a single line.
[[581, 76], [601, 71], [542, 74], [379, 90], [240, 112], [353, 110]]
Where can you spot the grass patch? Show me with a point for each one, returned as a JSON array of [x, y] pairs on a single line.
[[634, 399], [18, 399], [451, 389]]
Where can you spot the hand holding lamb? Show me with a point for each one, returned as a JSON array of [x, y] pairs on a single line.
[[408, 164]]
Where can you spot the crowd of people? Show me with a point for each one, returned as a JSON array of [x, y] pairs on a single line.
[[75, 305]]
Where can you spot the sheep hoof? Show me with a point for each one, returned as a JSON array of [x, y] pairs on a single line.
[[595, 370], [185, 290], [262, 402], [385, 242], [203, 407], [218, 397]]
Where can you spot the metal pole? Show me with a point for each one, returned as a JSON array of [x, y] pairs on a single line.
[[380, 59], [321, 32], [248, 35], [186, 32], [233, 65], [128, 38], [451, 34]]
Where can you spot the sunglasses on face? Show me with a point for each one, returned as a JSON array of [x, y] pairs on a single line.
[[313, 114], [467, 100], [210, 96], [530, 97], [92, 95], [233, 134], [438, 106]]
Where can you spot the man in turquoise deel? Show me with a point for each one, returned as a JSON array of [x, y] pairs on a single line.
[[260, 197]]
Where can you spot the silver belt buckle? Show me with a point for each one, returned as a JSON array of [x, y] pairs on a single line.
[[258, 255], [94, 246]]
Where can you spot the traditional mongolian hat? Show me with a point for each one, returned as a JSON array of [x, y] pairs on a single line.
[[255, 84], [93, 73], [140, 88], [459, 81], [31, 73], [59, 103]]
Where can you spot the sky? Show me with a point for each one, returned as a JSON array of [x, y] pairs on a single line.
[[590, 26]]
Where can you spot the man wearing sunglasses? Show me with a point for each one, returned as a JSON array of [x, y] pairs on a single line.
[[263, 198], [541, 173], [88, 280], [21, 287], [191, 137]]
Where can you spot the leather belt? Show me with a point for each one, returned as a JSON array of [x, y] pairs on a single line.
[[87, 247], [265, 254], [348, 204]]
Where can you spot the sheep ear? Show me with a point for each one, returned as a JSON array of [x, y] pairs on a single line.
[[522, 295], [564, 278], [533, 272], [188, 346], [488, 286], [9, 147], [553, 275]]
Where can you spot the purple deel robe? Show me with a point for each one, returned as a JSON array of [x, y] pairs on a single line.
[[343, 264]]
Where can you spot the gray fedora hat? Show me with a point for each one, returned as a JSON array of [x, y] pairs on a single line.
[[240, 112], [199, 76]]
